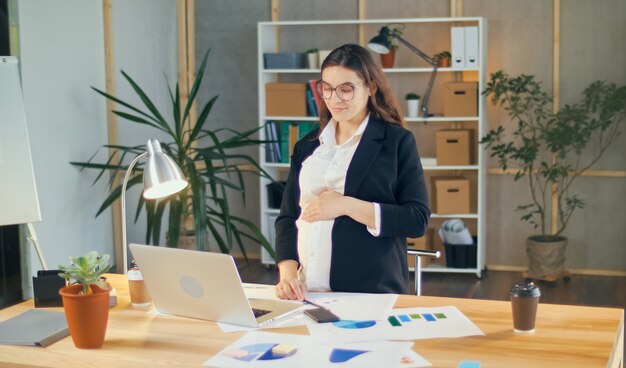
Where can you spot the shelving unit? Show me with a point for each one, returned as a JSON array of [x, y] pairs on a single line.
[[269, 34]]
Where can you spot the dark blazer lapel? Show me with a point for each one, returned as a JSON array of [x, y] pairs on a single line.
[[364, 155]]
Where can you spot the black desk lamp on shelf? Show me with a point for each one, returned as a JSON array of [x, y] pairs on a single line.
[[381, 44]]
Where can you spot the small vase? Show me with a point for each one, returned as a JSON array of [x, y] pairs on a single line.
[[87, 315], [443, 63], [413, 107], [388, 59], [313, 58]]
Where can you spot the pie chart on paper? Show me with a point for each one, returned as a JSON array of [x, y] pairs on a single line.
[[354, 324]]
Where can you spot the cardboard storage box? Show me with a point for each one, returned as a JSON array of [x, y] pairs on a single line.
[[285, 99], [460, 99], [453, 146], [423, 243], [451, 195]]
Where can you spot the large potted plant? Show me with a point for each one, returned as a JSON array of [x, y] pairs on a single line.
[[209, 160], [550, 151], [86, 302]]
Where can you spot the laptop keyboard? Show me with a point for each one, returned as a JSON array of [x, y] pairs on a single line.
[[259, 312]]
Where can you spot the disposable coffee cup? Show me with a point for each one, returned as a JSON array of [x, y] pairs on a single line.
[[139, 296], [524, 300]]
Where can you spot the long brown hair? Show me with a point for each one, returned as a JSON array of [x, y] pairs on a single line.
[[382, 103]]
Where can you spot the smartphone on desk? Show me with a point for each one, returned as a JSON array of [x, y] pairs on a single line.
[[321, 315]]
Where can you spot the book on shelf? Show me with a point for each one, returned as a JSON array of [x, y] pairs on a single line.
[[316, 96], [272, 148], [284, 135], [311, 109]]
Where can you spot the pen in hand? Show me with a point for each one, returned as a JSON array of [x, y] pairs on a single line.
[[314, 304]]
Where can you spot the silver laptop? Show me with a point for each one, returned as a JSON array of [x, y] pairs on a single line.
[[203, 285]]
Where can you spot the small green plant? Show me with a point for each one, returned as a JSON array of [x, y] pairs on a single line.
[[392, 40], [443, 55], [312, 51], [412, 96], [87, 270]]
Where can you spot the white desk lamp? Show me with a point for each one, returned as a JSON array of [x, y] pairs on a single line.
[[161, 177]]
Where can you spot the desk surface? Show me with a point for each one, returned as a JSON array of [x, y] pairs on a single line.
[[565, 336]]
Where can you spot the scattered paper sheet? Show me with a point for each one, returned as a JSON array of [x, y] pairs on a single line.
[[356, 306], [263, 349], [401, 324]]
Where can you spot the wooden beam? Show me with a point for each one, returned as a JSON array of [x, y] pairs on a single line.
[[183, 61], [191, 56], [275, 18], [456, 8], [112, 128], [556, 44], [588, 173], [361, 11], [572, 271]]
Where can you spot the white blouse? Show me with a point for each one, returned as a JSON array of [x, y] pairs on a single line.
[[324, 170]]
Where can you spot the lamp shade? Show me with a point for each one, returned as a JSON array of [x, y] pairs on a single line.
[[380, 44], [161, 176]]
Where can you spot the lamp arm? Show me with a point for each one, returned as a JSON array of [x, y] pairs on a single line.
[[429, 88], [419, 52], [431, 81], [123, 197]]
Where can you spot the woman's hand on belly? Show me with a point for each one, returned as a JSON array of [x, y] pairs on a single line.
[[327, 206]]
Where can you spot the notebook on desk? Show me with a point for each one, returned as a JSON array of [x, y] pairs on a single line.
[[203, 285]]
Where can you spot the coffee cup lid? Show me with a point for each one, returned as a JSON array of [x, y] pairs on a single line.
[[526, 289]]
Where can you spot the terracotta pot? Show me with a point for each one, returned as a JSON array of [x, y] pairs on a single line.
[[388, 59], [443, 62], [86, 315], [546, 257]]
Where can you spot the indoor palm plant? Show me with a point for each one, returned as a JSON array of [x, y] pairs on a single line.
[[209, 161], [550, 151], [86, 302]]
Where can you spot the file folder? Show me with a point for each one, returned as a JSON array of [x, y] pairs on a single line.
[[471, 47], [458, 47]]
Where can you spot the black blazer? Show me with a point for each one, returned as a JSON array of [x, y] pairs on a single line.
[[385, 169]]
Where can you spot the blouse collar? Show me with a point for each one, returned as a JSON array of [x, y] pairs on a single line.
[[328, 134]]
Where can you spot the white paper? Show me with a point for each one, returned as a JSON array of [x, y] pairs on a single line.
[[413, 324], [455, 232], [411, 359], [350, 306], [254, 349], [356, 306]]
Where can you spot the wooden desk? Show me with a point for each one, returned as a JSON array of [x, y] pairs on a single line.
[[565, 336]]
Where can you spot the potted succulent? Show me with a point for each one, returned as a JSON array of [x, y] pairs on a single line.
[[412, 101], [208, 162], [312, 55], [86, 302], [443, 59], [550, 151]]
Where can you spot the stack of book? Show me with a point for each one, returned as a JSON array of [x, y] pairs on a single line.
[[282, 137]]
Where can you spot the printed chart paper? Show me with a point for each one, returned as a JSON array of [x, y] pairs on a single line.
[[263, 349], [400, 324], [356, 306]]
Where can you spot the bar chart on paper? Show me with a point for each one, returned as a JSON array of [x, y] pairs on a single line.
[[401, 324]]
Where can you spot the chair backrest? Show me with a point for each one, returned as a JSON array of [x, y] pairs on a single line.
[[418, 265]]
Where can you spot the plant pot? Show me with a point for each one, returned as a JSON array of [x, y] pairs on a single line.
[[443, 63], [87, 315], [388, 59], [545, 256], [412, 107]]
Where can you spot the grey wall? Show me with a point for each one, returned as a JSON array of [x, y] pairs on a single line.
[[62, 55], [520, 41]]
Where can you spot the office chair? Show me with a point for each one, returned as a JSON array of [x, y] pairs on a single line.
[[418, 265]]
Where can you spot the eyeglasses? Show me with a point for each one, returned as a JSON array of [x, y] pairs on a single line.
[[343, 91]]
